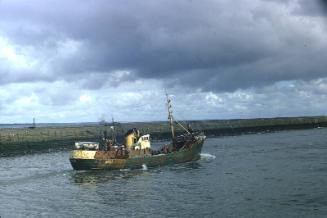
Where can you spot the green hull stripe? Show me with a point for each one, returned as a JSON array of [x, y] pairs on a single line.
[[137, 162]]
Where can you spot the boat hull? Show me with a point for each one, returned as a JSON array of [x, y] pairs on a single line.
[[81, 161]]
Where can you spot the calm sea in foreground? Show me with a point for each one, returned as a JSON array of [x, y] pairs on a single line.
[[280, 174]]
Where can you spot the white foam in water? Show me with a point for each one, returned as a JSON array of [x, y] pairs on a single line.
[[205, 156], [144, 167]]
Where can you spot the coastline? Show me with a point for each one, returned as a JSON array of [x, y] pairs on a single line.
[[18, 141]]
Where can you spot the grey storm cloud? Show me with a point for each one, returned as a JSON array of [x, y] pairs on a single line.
[[211, 45], [318, 7], [315, 7]]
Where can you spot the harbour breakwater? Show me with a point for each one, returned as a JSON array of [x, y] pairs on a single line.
[[27, 140]]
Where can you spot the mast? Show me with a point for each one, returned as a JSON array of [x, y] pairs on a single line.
[[170, 117], [113, 131]]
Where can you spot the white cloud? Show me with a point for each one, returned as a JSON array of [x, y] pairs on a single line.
[[213, 99], [69, 48], [85, 98], [131, 102], [14, 57]]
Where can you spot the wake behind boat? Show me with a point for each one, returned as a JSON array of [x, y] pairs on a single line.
[[136, 150]]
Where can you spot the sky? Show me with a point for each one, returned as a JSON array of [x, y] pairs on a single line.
[[86, 61]]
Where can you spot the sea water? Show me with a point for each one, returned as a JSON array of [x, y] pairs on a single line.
[[281, 174]]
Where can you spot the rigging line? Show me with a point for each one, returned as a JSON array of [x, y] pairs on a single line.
[[182, 126]]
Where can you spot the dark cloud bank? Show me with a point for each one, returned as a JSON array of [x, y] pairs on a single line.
[[216, 45]]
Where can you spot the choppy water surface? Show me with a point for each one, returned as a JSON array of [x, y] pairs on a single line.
[[264, 175]]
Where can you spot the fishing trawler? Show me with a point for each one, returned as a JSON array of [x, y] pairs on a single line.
[[136, 150]]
